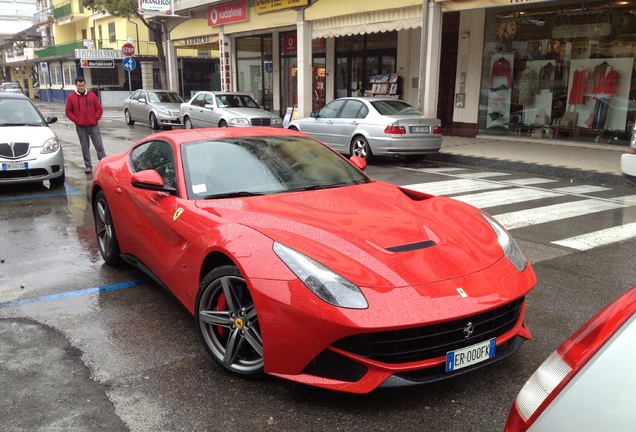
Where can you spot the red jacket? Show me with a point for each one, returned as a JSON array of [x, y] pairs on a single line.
[[84, 110]]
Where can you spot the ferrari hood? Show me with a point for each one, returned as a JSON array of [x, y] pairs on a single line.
[[374, 234]]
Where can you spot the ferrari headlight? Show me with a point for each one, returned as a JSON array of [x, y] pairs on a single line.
[[509, 246], [329, 286], [239, 121], [50, 146]]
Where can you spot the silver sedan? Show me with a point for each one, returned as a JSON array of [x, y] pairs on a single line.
[[220, 109], [366, 127], [159, 108]]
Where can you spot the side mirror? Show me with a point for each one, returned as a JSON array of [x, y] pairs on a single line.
[[142, 100], [151, 180], [358, 162], [313, 114], [51, 120], [208, 106]]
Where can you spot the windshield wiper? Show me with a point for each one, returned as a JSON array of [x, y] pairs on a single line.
[[317, 187], [233, 194]]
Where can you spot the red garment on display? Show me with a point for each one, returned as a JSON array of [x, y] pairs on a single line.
[[501, 68], [606, 83], [577, 94]]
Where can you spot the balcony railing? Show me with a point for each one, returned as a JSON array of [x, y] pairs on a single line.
[[59, 49], [43, 16], [70, 7]]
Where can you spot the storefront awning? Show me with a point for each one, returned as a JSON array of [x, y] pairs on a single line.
[[368, 22], [459, 5]]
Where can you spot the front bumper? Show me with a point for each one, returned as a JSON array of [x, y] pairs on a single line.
[[41, 167]]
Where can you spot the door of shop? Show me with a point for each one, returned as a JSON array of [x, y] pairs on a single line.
[[448, 68]]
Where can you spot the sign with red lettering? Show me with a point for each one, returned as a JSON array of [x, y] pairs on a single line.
[[227, 13]]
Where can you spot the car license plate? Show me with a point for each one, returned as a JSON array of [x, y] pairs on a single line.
[[15, 166], [471, 355], [418, 129]]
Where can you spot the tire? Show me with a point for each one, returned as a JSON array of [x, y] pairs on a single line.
[[187, 123], [360, 147], [154, 124], [229, 330], [222, 123], [58, 181], [129, 120], [294, 128], [105, 230]]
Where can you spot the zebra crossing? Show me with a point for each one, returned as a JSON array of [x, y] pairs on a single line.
[[493, 190]]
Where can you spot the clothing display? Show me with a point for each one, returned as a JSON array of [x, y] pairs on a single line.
[[600, 112], [577, 92], [546, 77], [526, 86], [501, 68], [606, 82]]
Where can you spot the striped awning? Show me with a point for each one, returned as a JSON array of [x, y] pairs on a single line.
[[368, 22]]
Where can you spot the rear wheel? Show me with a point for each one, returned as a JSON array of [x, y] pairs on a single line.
[[360, 147], [154, 124], [187, 123], [227, 322], [129, 120], [105, 230]]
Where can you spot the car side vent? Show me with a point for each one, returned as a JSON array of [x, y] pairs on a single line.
[[412, 246]]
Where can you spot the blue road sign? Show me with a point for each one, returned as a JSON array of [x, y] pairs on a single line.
[[129, 63]]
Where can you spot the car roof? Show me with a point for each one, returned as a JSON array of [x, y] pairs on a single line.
[[183, 136], [5, 95]]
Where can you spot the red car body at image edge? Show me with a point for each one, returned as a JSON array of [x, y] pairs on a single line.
[[297, 264]]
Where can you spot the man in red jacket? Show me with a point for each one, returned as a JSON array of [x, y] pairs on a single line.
[[84, 109]]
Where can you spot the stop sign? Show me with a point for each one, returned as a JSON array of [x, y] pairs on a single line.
[[128, 49]]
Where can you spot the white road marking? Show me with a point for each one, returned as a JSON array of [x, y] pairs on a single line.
[[583, 189], [447, 187], [502, 197], [599, 238]]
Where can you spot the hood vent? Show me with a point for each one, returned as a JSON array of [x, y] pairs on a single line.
[[412, 246]]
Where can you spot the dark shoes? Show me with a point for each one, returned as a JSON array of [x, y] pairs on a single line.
[[495, 115], [88, 170], [501, 87]]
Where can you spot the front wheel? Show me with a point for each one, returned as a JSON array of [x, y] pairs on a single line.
[[227, 322], [154, 124], [360, 147], [129, 120], [58, 181], [105, 230], [187, 123], [222, 123]]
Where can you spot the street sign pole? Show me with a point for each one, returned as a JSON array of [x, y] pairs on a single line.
[[129, 50]]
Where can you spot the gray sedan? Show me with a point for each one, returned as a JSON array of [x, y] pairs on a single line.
[[159, 108], [373, 126], [216, 109]]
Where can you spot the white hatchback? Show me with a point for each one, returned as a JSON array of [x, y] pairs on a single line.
[[628, 160]]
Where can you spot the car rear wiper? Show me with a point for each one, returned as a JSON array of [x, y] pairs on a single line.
[[233, 194]]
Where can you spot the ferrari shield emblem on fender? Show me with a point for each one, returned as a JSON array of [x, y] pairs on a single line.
[[462, 292], [177, 213]]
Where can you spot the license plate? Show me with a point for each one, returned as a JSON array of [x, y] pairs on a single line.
[[15, 166], [471, 355], [418, 129]]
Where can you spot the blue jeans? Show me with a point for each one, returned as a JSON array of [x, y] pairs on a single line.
[[600, 112]]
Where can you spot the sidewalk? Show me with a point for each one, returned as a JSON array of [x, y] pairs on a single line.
[[595, 163]]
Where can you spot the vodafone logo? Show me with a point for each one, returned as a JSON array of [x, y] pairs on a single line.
[[227, 13]]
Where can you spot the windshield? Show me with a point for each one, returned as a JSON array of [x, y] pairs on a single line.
[[12, 86], [165, 97], [392, 107], [19, 112], [236, 101], [263, 165]]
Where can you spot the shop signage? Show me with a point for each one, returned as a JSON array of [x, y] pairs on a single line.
[[98, 54], [227, 13], [458, 5], [263, 6], [157, 6], [92, 63], [289, 42]]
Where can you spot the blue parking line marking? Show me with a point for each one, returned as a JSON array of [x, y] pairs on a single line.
[[69, 294], [69, 191]]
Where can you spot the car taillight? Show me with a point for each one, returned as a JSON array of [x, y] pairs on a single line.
[[393, 129], [558, 369], [437, 130]]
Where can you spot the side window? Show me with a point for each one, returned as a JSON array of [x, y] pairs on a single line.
[[352, 109], [199, 100], [135, 95], [331, 109], [156, 155]]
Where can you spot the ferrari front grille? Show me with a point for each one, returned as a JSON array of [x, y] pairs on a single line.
[[14, 150], [421, 343], [261, 121]]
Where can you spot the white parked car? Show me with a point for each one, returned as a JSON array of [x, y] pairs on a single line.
[[221, 109], [628, 160]]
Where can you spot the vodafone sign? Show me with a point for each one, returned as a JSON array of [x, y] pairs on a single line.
[[227, 13]]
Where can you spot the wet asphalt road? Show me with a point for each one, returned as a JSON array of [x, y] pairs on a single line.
[[85, 347]]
